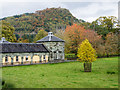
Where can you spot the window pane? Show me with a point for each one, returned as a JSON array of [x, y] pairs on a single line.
[[44, 57], [26, 58], [16, 58], [6, 59]]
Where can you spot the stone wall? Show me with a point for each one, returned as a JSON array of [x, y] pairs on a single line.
[[56, 50]]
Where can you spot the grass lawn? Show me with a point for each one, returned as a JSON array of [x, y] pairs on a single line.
[[63, 75]]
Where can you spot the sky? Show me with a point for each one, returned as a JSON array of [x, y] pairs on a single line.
[[88, 10]]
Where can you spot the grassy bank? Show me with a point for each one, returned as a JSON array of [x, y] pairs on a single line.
[[64, 75]]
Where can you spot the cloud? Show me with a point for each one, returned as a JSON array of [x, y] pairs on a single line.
[[13, 8], [88, 11], [94, 10], [59, 0]]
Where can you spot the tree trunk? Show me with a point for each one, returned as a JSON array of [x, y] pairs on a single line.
[[87, 67]]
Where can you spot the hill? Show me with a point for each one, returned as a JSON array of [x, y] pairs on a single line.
[[50, 19]]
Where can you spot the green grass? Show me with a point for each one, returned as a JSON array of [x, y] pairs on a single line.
[[64, 75]]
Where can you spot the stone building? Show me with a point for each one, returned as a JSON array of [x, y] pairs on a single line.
[[47, 49], [55, 45]]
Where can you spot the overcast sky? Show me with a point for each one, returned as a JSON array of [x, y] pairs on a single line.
[[88, 10]]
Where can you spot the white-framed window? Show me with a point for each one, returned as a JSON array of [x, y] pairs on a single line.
[[26, 58], [16, 58], [6, 59]]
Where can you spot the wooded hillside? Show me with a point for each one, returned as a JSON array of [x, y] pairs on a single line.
[[48, 19]]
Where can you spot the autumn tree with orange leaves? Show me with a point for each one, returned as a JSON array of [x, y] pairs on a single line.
[[77, 33]]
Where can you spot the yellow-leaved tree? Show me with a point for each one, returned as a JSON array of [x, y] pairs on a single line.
[[87, 54]]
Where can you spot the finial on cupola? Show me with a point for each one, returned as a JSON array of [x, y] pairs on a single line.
[[50, 34]]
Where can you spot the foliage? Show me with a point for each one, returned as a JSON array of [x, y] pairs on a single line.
[[20, 40], [60, 34], [40, 35], [111, 44], [25, 38], [97, 28], [7, 31], [70, 56], [63, 75], [102, 25], [85, 52], [107, 22], [96, 41], [75, 34]]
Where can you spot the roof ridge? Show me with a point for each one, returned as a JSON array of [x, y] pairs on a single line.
[[53, 38]]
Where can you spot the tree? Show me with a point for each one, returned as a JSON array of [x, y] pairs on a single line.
[[7, 31], [101, 30], [40, 35], [75, 34], [20, 40], [107, 22], [87, 54], [60, 34], [96, 41], [97, 28], [111, 44]]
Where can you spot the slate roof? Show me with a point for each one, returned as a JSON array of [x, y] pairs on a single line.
[[22, 48], [53, 39]]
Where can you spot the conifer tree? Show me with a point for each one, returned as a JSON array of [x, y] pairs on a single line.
[[86, 53]]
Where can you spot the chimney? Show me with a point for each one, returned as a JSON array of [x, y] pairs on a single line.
[[3, 40], [50, 34]]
